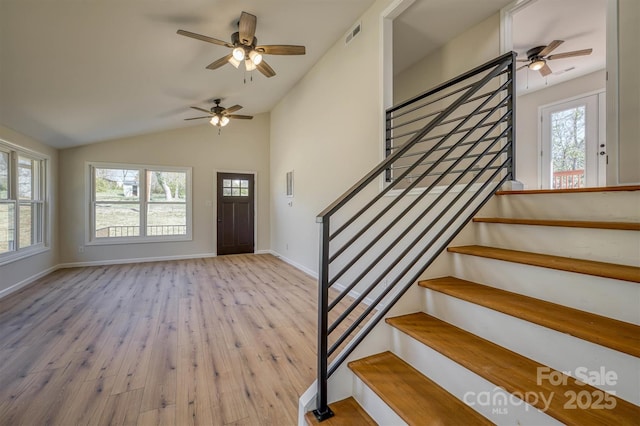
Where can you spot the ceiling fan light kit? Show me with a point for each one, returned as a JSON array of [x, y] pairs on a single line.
[[538, 56], [537, 64], [220, 116], [245, 48]]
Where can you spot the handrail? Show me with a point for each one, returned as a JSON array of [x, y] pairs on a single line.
[[455, 150], [359, 186]]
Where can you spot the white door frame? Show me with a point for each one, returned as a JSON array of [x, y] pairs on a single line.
[[594, 165], [255, 207], [506, 45]]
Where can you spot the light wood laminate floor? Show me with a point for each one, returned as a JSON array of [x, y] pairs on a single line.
[[219, 341]]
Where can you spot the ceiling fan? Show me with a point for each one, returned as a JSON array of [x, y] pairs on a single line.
[[538, 56], [220, 116], [245, 47]]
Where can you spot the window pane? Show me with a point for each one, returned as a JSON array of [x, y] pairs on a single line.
[[117, 220], [235, 192], [117, 185], [167, 186], [25, 178], [226, 192], [568, 131], [244, 183], [166, 219], [7, 237], [226, 183], [26, 217], [4, 176]]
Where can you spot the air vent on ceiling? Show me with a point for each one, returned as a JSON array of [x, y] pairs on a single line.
[[353, 32]]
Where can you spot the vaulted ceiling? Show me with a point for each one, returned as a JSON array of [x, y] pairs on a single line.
[[75, 72]]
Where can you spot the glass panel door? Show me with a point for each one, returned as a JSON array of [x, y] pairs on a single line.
[[570, 144]]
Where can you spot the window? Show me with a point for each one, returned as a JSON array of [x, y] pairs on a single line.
[[139, 203], [235, 188], [22, 202]]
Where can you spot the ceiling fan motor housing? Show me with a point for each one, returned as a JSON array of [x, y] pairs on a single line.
[[534, 52]]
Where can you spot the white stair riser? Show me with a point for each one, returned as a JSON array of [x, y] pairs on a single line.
[[557, 350], [622, 206], [607, 297], [374, 405], [602, 245], [466, 385]]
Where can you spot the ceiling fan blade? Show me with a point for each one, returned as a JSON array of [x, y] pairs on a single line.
[[550, 47], [232, 109], [201, 109], [545, 70], [281, 49], [197, 118], [204, 38], [220, 62], [582, 52], [523, 66], [522, 60], [247, 28], [242, 117], [265, 69]]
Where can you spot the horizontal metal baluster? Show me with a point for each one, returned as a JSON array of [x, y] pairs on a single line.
[[405, 123], [442, 148], [431, 138], [402, 235], [386, 291], [500, 62], [410, 187], [381, 314], [336, 276], [388, 188], [498, 65], [431, 102], [443, 161]]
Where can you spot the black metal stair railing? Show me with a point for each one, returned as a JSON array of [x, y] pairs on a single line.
[[448, 151]]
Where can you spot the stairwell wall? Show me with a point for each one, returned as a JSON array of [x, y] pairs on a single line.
[[328, 131]]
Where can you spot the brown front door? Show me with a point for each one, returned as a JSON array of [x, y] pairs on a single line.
[[235, 213]]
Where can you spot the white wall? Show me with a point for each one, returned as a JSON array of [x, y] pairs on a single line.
[[474, 47], [241, 146], [527, 140], [14, 274], [328, 130], [629, 91]]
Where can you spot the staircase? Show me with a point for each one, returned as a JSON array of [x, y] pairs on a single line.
[[532, 320]]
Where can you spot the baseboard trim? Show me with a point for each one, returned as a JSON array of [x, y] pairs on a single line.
[[24, 283], [136, 260], [355, 294]]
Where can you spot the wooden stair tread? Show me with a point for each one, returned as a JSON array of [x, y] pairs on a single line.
[[346, 413], [571, 190], [627, 226], [588, 267], [619, 335], [511, 371], [414, 397]]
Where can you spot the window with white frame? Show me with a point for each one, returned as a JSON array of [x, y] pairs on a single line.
[[139, 203], [22, 202]]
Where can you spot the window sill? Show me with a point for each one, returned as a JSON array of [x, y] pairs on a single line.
[[10, 257], [137, 240]]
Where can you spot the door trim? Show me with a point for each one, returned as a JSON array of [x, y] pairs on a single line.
[[256, 199], [600, 123], [611, 67]]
